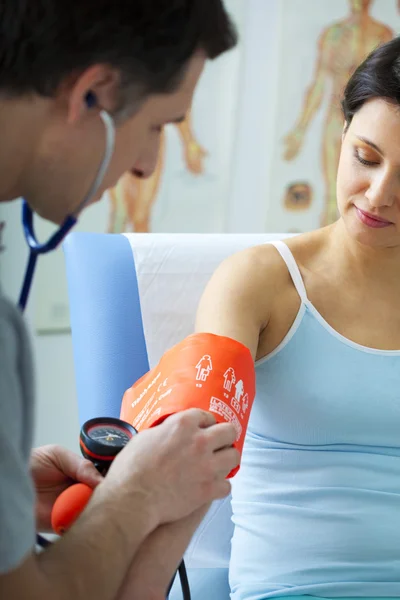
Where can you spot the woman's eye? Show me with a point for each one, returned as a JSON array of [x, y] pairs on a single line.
[[364, 161]]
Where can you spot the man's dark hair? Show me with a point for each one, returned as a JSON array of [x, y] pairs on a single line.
[[377, 77], [148, 41]]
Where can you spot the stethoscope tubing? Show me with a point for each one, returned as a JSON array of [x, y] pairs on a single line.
[[35, 247]]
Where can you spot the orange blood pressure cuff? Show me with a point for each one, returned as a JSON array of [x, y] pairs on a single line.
[[206, 371]]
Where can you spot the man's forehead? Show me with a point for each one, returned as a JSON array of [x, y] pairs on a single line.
[[173, 106]]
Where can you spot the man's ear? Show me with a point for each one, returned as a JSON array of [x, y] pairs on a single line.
[[94, 89]]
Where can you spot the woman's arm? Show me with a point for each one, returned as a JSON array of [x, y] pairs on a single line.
[[158, 559], [235, 301]]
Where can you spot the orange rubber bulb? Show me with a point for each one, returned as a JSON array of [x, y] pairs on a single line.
[[69, 506]]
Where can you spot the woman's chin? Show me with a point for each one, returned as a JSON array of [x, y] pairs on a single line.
[[369, 236]]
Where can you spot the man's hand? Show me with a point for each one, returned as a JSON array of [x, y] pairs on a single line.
[[54, 469], [177, 467]]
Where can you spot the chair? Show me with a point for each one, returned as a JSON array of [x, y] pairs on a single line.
[[131, 298]]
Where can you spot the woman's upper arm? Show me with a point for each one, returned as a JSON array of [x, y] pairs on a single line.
[[233, 303]]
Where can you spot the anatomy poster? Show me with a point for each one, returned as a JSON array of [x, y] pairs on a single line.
[[321, 44]]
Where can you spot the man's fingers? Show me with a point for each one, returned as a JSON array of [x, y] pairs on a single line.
[[204, 418], [87, 473], [226, 460], [75, 467], [223, 489], [221, 435], [195, 416]]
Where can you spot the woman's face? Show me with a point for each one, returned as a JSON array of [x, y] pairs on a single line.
[[368, 182]]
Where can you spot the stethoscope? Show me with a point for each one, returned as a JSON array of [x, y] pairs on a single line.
[[36, 248]]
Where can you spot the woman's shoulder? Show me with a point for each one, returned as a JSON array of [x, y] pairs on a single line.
[[259, 273], [255, 265], [264, 261]]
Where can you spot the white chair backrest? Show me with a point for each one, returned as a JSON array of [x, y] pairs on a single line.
[[172, 272]]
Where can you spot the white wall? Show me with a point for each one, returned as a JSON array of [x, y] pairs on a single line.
[[56, 414], [256, 118]]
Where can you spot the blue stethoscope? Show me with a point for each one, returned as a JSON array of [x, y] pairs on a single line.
[[36, 248]]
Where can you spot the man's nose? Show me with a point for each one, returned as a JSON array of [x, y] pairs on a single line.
[[145, 167]]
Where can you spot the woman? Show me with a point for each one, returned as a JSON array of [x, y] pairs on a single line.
[[316, 504]]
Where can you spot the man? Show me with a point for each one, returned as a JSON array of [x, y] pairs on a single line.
[[139, 61]]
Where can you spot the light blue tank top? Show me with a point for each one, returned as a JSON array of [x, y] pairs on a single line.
[[316, 502]]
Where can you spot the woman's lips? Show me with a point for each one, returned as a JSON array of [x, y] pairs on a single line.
[[372, 220]]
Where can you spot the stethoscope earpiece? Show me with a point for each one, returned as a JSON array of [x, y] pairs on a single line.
[[91, 100]]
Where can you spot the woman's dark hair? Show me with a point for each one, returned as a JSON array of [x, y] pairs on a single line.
[[377, 77], [148, 41]]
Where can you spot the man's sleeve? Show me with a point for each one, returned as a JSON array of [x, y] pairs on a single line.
[[17, 524]]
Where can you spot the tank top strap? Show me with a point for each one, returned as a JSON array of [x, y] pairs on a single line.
[[293, 269]]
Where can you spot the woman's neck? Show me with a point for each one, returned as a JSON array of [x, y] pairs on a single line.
[[362, 264]]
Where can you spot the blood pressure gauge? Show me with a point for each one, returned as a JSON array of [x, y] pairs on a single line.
[[101, 439]]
